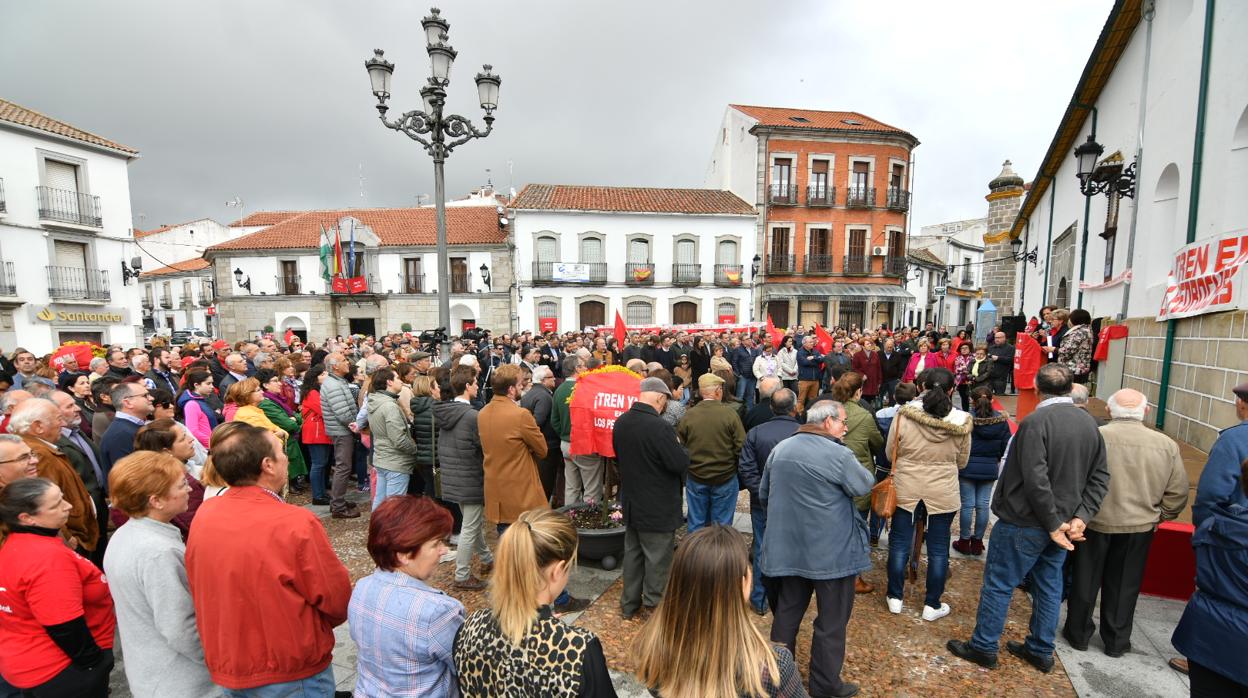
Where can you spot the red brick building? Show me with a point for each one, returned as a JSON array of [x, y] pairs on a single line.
[[832, 190]]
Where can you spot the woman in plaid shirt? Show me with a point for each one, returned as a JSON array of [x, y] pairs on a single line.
[[404, 628]]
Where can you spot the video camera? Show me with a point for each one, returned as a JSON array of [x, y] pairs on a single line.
[[430, 340], [475, 334]]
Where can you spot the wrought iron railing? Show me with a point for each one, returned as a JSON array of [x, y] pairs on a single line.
[[544, 273], [459, 282], [895, 266], [639, 274], [819, 263], [686, 274], [166, 301], [898, 199], [74, 283], [820, 195], [781, 263], [8, 281], [2, 205], [412, 283], [783, 194], [69, 207], [860, 197], [729, 275], [288, 284], [857, 264]]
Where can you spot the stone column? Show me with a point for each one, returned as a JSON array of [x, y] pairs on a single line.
[[1004, 199]]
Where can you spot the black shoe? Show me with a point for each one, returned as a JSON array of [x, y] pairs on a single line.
[[964, 650], [1081, 646], [1117, 653], [1018, 649], [847, 689], [762, 611], [628, 615], [320, 501], [346, 514], [572, 605]]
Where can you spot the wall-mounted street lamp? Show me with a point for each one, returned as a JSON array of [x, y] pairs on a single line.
[[132, 271], [242, 280], [485, 276], [1108, 177], [1016, 247], [755, 264]]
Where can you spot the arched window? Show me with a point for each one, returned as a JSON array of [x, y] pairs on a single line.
[[1063, 294], [547, 310], [639, 313], [1235, 203], [591, 250], [686, 252], [727, 252], [726, 312], [547, 249], [639, 251], [1165, 208]]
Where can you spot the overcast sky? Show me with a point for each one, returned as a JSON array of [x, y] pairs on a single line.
[[268, 100]]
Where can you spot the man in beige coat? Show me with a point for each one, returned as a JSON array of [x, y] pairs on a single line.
[[511, 443], [1147, 485]]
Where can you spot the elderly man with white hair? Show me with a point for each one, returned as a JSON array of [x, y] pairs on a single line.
[[38, 422], [1147, 485]]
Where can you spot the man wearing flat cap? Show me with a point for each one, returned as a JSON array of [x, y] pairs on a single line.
[[1219, 481], [422, 361], [714, 435], [652, 466]]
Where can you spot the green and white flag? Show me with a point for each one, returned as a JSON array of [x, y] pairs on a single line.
[[327, 253]]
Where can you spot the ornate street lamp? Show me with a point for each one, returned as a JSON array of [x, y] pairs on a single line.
[[485, 276], [1016, 248], [438, 132], [1108, 177], [242, 281]]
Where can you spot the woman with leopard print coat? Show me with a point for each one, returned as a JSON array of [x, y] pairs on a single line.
[[517, 648]]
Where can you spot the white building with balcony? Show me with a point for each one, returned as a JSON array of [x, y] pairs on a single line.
[[960, 245], [926, 279], [658, 256], [64, 232], [273, 277], [176, 283]]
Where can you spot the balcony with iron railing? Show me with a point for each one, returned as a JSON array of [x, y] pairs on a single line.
[[166, 301], [549, 273], [8, 281], [968, 280], [288, 284], [729, 275], [898, 199], [860, 197], [895, 266], [205, 298], [639, 273], [459, 282], [67, 206], [71, 283], [412, 283], [857, 265], [686, 274], [783, 195], [781, 263], [148, 303], [819, 263], [820, 195]]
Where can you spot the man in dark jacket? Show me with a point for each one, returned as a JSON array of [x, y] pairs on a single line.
[[539, 400], [809, 371], [892, 366], [463, 473], [713, 433], [762, 411], [1001, 354], [835, 363], [1054, 480], [758, 444], [652, 469], [159, 374], [134, 406], [742, 360]]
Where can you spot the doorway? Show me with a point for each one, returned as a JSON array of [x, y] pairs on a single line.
[[778, 311], [362, 325], [593, 313], [684, 313], [93, 337]]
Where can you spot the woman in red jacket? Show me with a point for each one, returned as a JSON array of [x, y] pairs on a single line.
[[867, 362], [920, 361], [57, 605], [313, 435]]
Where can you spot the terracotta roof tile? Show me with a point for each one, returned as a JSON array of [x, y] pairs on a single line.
[[467, 225], [17, 114], [816, 119], [561, 197], [194, 264], [264, 218], [140, 234], [925, 256]]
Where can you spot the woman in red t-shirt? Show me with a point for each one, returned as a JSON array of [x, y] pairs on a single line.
[[56, 605]]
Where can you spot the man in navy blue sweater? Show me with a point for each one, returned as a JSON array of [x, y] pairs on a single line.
[[134, 405]]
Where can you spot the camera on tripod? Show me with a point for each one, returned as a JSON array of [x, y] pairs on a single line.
[[430, 340]]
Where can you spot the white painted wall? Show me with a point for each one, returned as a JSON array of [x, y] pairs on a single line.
[[616, 229], [28, 243], [182, 315], [1168, 137], [183, 242], [734, 157]]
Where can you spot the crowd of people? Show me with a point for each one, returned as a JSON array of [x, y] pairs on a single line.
[[144, 501]]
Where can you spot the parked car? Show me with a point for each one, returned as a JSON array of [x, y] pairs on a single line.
[[190, 334]]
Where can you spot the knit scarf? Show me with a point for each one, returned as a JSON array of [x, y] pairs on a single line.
[[281, 402]]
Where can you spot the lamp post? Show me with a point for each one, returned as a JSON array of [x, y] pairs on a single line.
[[438, 132], [755, 264], [242, 281]]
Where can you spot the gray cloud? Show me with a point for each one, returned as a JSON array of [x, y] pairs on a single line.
[[269, 101]]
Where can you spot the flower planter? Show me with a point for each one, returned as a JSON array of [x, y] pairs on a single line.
[[605, 545]]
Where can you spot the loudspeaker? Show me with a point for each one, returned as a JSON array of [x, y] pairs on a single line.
[[1013, 324]]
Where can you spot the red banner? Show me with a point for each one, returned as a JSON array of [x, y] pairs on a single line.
[[598, 399], [338, 285], [1206, 277], [468, 324], [823, 340], [357, 284], [548, 324], [727, 319]]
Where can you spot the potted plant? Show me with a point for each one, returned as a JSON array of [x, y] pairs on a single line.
[[599, 529], [406, 327]]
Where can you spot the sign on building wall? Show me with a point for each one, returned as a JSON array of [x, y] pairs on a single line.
[[1206, 277], [570, 272], [548, 324]]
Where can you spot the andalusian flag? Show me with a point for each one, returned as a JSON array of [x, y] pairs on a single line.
[[326, 256]]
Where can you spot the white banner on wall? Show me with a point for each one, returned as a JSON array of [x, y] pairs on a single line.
[[570, 272], [1206, 277]]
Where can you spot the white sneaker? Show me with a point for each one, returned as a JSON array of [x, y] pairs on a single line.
[[894, 605], [931, 614]]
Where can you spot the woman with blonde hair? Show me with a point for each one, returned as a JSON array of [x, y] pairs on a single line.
[[701, 641], [242, 404], [146, 568], [517, 647]]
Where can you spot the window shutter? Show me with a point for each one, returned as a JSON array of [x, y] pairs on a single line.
[[60, 175], [546, 249], [727, 252], [70, 254]]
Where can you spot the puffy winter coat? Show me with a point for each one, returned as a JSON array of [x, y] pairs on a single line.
[[393, 448], [459, 453], [337, 406], [989, 437], [1214, 625], [927, 458], [424, 430], [313, 421]]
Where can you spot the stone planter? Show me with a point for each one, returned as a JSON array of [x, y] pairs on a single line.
[[605, 545]]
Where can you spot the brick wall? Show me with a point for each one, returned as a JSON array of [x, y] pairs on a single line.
[[1210, 357]]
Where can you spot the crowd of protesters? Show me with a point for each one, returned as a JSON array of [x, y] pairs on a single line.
[[169, 469]]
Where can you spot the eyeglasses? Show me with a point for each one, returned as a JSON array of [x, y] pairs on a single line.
[[143, 394], [30, 456]]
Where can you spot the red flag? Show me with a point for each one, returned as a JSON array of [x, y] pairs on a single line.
[[289, 337], [777, 337], [823, 339], [339, 269], [621, 331]]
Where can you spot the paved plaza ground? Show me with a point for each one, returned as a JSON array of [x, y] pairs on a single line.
[[888, 655]]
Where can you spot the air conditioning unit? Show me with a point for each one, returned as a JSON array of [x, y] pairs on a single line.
[[878, 251]]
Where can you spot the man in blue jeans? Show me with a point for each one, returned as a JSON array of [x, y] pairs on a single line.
[[742, 360], [1054, 480], [758, 444], [712, 432]]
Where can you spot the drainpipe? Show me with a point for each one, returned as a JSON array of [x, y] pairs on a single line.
[[1048, 246], [1193, 205], [1087, 211], [1149, 13]]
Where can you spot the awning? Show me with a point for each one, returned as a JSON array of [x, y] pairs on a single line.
[[884, 292]]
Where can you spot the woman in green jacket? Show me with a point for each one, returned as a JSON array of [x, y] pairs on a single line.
[[862, 436], [286, 416]]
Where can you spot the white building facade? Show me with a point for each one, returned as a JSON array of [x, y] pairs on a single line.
[[1180, 125], [959, 244], [926, 281], [657, 256], [64, 232], [176, 290]]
